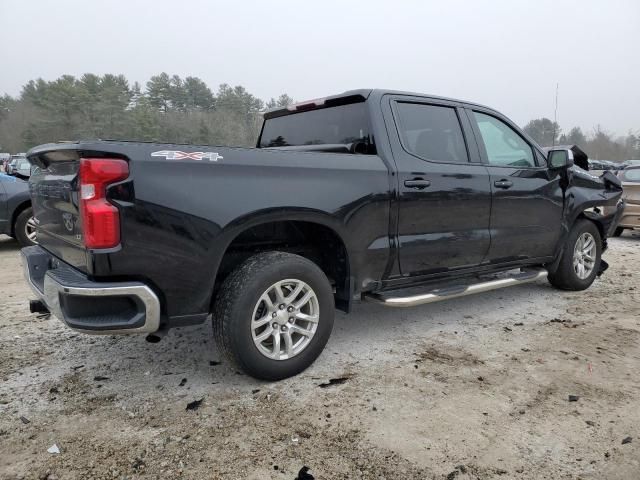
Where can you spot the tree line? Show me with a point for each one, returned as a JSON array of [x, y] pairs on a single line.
[[186, 110], [598, 144], [167, 109]]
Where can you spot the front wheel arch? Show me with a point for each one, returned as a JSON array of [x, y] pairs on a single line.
[[566, 231], [562, 274], [594, 218]]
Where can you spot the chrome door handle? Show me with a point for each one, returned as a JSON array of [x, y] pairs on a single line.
[[503, 183], [417, 183]]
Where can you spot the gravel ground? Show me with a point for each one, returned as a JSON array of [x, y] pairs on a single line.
[[472, 388]]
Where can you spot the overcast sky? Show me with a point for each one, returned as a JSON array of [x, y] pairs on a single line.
[[499, 53]]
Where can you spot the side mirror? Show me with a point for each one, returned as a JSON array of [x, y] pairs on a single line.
[[560, 158]]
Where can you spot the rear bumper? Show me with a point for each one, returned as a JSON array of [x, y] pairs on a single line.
[[88, 306]]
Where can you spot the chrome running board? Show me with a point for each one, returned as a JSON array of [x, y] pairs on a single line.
[[411, 297]]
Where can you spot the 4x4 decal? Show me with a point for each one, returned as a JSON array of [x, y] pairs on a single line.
[[178, 155]]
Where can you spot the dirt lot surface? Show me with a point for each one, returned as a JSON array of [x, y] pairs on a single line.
[[473, 388]]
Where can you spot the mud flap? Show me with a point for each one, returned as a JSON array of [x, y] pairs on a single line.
[[616, 217], [603, 267]]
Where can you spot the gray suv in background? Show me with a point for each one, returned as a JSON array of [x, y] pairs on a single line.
[[16, 215]]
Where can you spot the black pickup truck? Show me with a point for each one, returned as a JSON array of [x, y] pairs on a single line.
[[394, 197]]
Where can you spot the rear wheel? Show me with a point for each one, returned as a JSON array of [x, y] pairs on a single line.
[[25, 228], [580, 260], [274, 314]]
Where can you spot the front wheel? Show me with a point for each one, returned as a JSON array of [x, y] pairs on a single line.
[[580, 260], [274, 314]]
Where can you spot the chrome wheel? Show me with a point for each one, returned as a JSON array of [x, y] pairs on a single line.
[[584, 255], [30, 230], [285, 319]]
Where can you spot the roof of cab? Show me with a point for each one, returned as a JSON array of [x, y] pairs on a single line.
[[355, 96]]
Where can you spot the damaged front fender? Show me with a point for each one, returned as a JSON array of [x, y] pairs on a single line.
[[585, 196]]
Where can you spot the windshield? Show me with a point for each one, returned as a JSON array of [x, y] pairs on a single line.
[[343, 124]]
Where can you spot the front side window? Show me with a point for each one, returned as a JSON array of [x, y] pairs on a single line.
[[431, 132], [505, 148]]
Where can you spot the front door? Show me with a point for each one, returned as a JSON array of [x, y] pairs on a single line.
[[527, 201], [444, 197]]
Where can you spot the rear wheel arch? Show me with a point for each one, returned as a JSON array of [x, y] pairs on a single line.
[[311, 239]]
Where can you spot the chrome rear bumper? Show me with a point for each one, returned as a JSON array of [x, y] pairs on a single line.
[[88, 306]]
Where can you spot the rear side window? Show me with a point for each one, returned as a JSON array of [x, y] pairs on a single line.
[[505, 148], [431, 132], [339, 125]]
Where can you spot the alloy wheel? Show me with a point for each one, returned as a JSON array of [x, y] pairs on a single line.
[[584, 255], [30, 230], [285, 319]]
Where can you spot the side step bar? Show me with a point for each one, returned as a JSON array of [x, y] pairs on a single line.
[[412, 297]]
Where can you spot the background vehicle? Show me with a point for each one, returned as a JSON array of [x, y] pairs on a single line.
[[392, 197], [630, 163], [604, 165], [4, 160], [18, 165], [11, 165], [22, 168], [630, 218], [16, 217]]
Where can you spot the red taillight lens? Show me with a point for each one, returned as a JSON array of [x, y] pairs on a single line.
[[100, 219]]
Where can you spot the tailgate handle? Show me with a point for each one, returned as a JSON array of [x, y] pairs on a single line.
[[418, 183]]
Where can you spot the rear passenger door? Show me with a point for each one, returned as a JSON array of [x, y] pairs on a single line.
[[444, 197], [527, 200]]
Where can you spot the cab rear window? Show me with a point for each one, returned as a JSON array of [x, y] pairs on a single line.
[[339, 125]]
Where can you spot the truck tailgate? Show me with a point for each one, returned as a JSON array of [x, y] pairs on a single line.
[[54, 195]]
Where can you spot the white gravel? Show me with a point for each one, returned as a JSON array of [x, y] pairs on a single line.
[[475, 387]]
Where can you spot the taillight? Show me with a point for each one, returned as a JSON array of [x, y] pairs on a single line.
[[100, 219]]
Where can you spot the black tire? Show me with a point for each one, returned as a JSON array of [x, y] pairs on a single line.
[[234, 308], [565, 276], [618, 231], [20, 226]]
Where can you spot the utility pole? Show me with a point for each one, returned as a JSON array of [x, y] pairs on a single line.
[[555, 116]]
